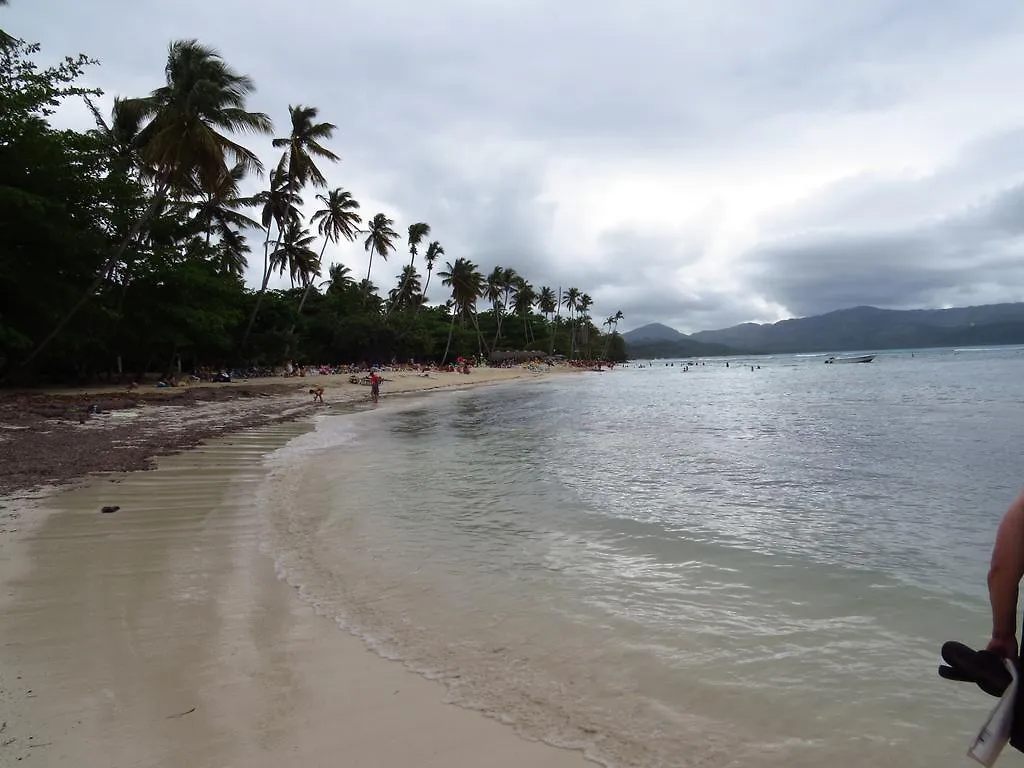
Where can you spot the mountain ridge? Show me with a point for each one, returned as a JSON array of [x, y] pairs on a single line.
[[853, 328]]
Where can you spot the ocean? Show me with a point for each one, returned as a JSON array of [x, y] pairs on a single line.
[[710, 566]]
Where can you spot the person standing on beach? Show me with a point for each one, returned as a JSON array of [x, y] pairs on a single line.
[[375, 386], [1004, 576]]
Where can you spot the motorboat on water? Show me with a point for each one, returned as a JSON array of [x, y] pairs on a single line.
[[854, 359]]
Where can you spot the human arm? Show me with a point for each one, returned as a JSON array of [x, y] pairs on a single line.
[[1005, 573]]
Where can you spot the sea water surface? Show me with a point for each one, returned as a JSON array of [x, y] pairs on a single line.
[[669, 567]]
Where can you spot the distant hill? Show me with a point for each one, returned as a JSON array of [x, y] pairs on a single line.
[[657, 340], [652, 332], [873, 328]]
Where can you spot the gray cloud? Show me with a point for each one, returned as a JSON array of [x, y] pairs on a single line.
[[695, 164], [973, 256]]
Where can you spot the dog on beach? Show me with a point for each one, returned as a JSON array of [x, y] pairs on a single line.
[[318, 394]]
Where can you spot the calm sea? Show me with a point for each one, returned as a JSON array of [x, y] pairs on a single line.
[[668, 567]]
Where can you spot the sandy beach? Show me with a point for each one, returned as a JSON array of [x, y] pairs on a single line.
[[161, 635]]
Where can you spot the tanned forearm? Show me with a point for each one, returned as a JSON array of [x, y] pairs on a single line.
[[1007, 570]]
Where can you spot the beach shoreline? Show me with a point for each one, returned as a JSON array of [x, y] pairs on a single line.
[[162, 634], [53, 437]]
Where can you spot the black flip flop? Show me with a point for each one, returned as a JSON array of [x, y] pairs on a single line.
[[983, 667], [948, 673]]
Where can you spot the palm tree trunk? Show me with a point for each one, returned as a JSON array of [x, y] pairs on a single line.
[[154, 206], [497, 334], [479, 336], [451, 327], [401, 289], [427, 285], [263, 290], [305, 293]]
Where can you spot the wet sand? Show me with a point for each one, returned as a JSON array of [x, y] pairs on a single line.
[[54, 436], [160, 635]]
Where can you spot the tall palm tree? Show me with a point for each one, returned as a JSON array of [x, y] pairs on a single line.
[[408, 293], [303, 147], [467, 285], [570, 301], [493, 289], [546, 302], [434, 252], [380, 238], [120, 136], [281, 206], [523, 300], [337, 219], [294, 254], [613, 327], [231, 252], [221, 208], [417, 232], [506, 283], [584, 304], [185, 140], [339, 278]]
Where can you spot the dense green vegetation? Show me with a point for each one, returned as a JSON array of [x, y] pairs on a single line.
[[122, 248]]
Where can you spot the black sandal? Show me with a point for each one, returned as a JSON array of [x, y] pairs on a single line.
[[984, 668]]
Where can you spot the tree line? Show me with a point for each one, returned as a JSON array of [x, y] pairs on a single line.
[[123, 247]]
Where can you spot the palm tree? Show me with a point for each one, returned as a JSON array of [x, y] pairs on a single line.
[[220, 208], [522, 302], [583, 318], [493, 292], [303, 146], [546, 302], [280, 207], [434, 252], [339, 278], [467, 284], [293, 253], [337, 219], [408, 293], [231, 252], [570, 301], [417, 232], [613, 327], [121, 135], [380, 238], [185, 142], [507, 282]]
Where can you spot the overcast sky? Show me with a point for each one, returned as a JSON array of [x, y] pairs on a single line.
[[694, 163]]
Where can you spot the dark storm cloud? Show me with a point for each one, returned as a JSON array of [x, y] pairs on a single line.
[[971, 256]]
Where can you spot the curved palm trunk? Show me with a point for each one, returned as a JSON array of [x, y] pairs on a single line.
[[154, 206], [497, 318], [302, 303], [479, 336], [263, 290], [451, 328], [427, 284]]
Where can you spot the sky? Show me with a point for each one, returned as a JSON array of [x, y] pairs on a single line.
[[699, 164]]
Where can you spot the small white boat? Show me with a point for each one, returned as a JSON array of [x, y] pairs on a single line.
[[856, 359]]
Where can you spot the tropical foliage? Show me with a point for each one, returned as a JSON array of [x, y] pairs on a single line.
[[123, 247]]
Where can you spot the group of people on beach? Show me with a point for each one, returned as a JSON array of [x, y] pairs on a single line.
[[375, 379]]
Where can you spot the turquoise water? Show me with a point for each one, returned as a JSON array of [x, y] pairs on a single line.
[[667, 567]]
